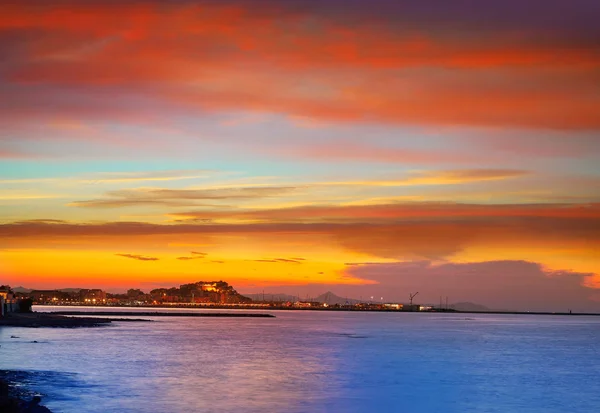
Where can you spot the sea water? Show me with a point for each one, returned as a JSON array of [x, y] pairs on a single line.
[[311, 361]]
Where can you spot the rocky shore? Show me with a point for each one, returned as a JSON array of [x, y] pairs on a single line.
[[13, 402], [13, 399], [34, 320]]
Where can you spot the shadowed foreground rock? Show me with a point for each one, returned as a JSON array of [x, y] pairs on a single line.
[[10, 403], [53, 320]]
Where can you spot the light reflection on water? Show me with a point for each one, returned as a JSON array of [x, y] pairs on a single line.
[[317, 362]]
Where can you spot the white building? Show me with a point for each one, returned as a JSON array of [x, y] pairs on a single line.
[[8, 303]]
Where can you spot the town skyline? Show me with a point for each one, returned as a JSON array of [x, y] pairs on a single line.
[[306, 146], [358, 294]]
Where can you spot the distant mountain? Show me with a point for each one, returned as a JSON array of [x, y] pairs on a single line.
[[466, 306], [332, 299], [329, 298], [21, 289]]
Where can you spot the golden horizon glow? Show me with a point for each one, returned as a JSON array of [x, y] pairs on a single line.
[[347, 147]]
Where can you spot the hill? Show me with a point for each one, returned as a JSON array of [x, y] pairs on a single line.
[[21, 289], [332, 299], [328, 297]]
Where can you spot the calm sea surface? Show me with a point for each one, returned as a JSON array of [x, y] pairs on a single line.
[[304, 361]]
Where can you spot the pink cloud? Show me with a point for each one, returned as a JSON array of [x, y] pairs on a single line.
[[220, 57], [509, 285]]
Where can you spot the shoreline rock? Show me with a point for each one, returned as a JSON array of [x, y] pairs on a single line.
[[11, 402], [36, 320]]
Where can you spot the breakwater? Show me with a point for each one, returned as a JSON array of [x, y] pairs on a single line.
[[36, 320], [160, 314]]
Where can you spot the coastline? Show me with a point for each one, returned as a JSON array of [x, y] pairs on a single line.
[[114, 310], [15, 401], [37, 320]]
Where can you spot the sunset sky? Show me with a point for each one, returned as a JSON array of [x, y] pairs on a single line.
[[370, 148]]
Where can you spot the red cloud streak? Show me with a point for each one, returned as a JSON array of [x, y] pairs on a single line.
[[366, 213], [224, 57]]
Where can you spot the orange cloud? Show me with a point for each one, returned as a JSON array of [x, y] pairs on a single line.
[[189, 258], [558, 237], [198, 197], [220, 57], [564, 235], [401, 211], [282, 260], [195, 256], [138, 257], [501, 285], [180, 197]]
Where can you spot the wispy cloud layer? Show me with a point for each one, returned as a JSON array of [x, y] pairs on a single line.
[[132, 177], [138, 257], [179, 197], [198, 197], [391, 212], [117, 177], [283, 139], [189, 258], [318, 63], [282, 260], [195, 256]]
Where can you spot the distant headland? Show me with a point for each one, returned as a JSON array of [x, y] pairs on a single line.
[[16, 306], [203, 294], [220, 294]]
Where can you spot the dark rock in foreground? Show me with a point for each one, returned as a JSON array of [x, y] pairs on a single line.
[[61, 319], [54, 320], [10, 402]]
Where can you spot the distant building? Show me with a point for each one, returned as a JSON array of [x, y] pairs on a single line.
[[201, 292], [94, 296], [394, 306], [8, 302], [6, 292], [51, 296], [210, 287]]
